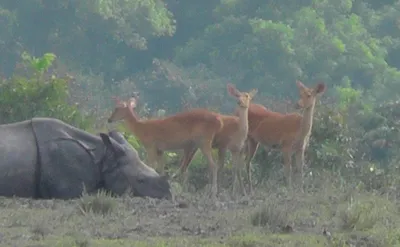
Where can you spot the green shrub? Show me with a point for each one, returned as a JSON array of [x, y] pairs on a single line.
[[33, 91]]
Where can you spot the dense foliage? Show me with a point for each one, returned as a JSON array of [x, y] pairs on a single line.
[[180, 54], [34, 92]]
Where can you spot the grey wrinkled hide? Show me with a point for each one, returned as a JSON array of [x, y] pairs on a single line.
[[47, 158]]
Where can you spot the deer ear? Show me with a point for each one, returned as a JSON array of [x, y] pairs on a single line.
[[320, 88], [253, 92], [300, 85], [232, 90]]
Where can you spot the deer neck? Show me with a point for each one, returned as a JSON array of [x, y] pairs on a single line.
[[307, 122], [242, 114], [132, 120]]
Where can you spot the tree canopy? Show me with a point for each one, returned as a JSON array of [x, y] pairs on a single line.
[[180, 54]]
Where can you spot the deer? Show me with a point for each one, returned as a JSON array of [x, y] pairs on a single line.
[[290, 131], [231, 137], [256, 113], [185, 130]]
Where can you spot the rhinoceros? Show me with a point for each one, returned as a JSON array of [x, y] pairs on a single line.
[[46, 158]]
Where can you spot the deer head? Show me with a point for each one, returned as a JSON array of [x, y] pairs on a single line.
[[244, 99], [122, 109], [308, 96]]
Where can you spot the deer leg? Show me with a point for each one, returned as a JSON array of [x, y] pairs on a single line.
[[237, 173], [239, 165], [188, 154], [287, 163], [234, 175], [221, 159], [160, 161], [206, 149], [299, 159], [151, 157], [189, 157], [252, 147]]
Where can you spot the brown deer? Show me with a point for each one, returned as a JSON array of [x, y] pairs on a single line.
[[185, 130], [231, 137], [256, 114], [290, 131]]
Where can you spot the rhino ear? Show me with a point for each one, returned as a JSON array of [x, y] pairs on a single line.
[[114, 147], [117, 136]]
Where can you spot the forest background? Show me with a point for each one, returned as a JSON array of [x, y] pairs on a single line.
[[66, 59]]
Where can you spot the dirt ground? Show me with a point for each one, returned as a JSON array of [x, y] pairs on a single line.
[[324, 215]]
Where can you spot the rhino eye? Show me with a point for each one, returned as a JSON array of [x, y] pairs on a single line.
[[141, 180]]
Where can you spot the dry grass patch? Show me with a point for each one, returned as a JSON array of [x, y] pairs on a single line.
[[102, 204], [363, 213], [273, 214]]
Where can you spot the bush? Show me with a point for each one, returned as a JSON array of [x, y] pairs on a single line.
[[33, 91]]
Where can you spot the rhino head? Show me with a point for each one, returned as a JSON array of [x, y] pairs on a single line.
[[123, 170]]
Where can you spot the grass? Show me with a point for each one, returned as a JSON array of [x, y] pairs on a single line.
[[351, 217], [102, 204], [238, 241]]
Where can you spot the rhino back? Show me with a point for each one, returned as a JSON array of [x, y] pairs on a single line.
[[18, 154], [68, 158]]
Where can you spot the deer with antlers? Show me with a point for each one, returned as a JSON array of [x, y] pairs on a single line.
[[290, 131], [185, 130], [231, 137]]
